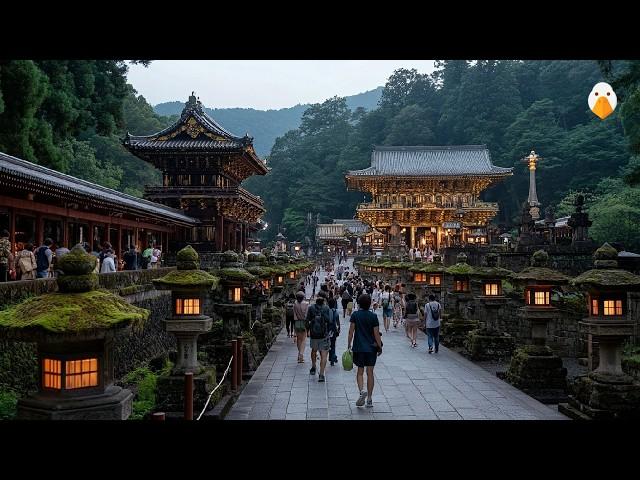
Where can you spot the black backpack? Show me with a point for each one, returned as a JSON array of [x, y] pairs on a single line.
[[435, 314], [318, 325], [42, 261]]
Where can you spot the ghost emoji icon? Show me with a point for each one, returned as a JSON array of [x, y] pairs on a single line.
[[602, 100]]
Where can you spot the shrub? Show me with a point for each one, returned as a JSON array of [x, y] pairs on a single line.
[[8, 404]]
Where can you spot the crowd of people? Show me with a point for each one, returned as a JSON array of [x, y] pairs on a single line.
[[34, 261], [319, 320], [424, 254]]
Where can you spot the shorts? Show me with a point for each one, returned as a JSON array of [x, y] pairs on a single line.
[[323, 344], [412, 320], [365, 359], [299, 326], [387, 312]]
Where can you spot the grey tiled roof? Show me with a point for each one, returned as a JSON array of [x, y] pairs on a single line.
[[207, 144], [432, 161], [18, 168], [354, 226]]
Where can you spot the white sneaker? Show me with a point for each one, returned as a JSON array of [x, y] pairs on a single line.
[[369, 402], [360, 402]]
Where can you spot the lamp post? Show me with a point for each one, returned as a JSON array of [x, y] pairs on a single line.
[[531, 161]]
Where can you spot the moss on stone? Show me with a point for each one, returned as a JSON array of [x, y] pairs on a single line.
[[606, 252], [77, 262], [541, 274], [187, 254], [607, 278], [259, 271], [185, 278], [492, 272], [72, 312], [428, 268], [234, 273], [460, 269], [255, 257]]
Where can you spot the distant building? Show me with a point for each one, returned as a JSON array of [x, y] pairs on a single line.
[[430, 192], [203, 166]]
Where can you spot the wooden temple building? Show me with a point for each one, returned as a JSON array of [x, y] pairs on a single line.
[[38, 203], [203, 166], [428, 195]]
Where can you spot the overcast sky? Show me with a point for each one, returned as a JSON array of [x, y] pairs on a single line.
[[263, 84]]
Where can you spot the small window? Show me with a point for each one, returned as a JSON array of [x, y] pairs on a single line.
[[435, 280], [491, 289], [292, 275], [52, 374], [187, 306], [235, 294], [462, 285], [419, 277], [81, 373], [541, 298], [594, 306], [612, 307], [265, 284]]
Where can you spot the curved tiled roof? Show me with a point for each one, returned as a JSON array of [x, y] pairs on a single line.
[[448, 160], [16, 167], [144, 142]]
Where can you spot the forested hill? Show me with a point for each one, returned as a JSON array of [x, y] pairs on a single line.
[[266, 125], [511, 106]]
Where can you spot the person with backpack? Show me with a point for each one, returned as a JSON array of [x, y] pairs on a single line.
[[289, 315], [365, 343], [26, 264], [299, 323], [387, 307], [334, 327], [432, 315], [156, 253], [44, 257], [130, 258], [318, 330], [346, 298]]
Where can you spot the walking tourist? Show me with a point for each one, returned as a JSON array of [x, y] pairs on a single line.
[[365, 343], [108, 262], [334, 327], [146, 257], [26, 265], [44, 257], [432, 315], [318, 329], [346, 298], [398, 306], [289, 316], [131, 258], [387, 307], [156, 253], [6, 257], [299, 323], [411, 319]]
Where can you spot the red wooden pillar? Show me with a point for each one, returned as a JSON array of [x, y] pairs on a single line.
[[39, 230], [107, 234], [65, 232], [12, 229], [92, 233], [119, 251]]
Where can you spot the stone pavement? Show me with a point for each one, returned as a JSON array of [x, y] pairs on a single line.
[[409, 384]]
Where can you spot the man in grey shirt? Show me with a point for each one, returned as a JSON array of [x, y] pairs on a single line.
[[432, 315]]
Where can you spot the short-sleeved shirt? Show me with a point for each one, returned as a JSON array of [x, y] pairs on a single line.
[[431, 323], [363, 339]]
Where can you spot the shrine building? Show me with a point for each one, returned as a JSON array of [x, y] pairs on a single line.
[[428, 195]]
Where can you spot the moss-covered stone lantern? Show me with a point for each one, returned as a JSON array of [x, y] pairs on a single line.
[[606, 392], [534, 368], [460, 319], [189, 287], [490, 341], [74, 331]]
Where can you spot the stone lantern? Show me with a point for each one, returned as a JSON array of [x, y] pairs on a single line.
[[232, 306], [459, 321], [534, 368], [490, 341], [74, 330], [606, 392], [189, 287]]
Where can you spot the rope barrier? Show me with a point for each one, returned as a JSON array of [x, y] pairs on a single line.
[[216, 387]]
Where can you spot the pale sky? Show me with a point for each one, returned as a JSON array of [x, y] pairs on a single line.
[[263, 84]]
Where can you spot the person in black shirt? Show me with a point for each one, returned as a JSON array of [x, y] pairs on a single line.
[[364, 334]]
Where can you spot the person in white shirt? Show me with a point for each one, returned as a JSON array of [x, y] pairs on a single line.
[[418, 255], [108, 263]]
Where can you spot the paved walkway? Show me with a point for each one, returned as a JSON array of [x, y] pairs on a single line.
[[409, 384]]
